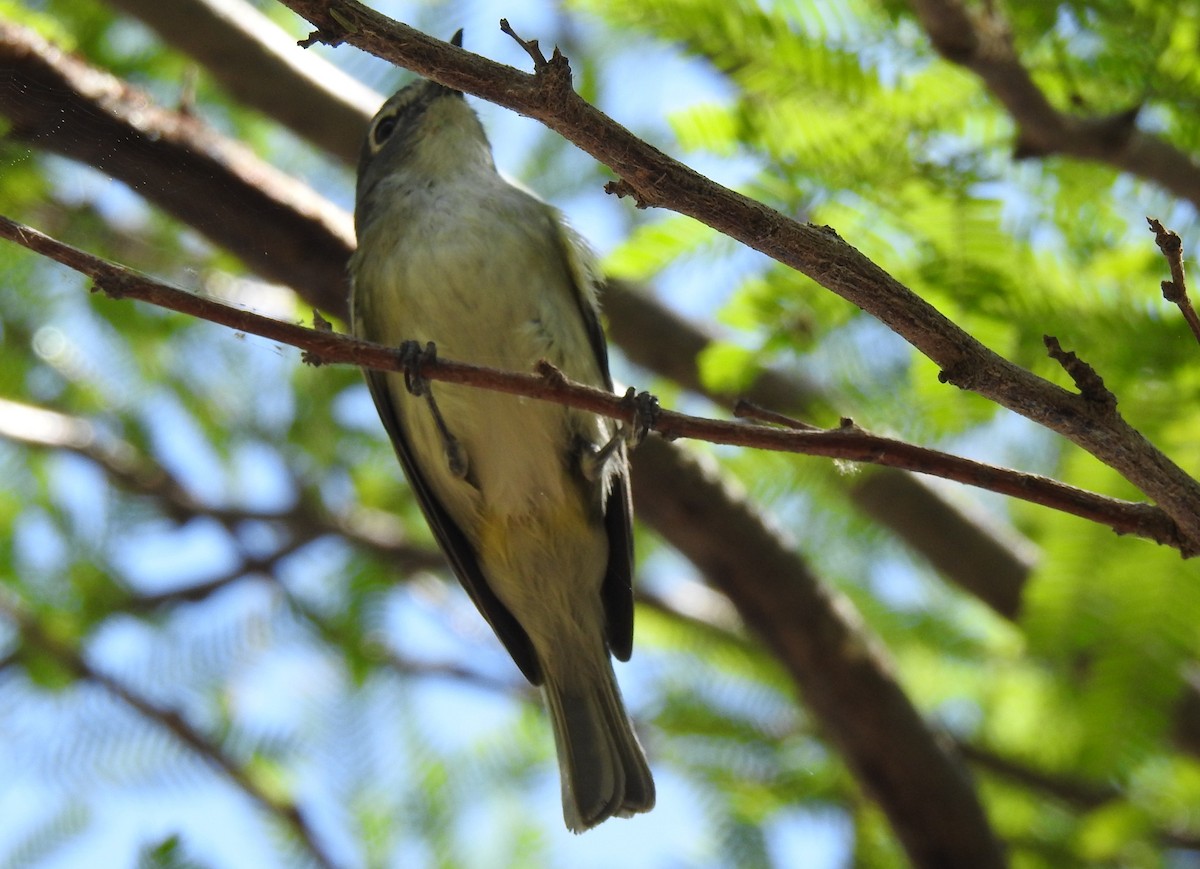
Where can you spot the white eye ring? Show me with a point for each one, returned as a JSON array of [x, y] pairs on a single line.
[[382, 130]]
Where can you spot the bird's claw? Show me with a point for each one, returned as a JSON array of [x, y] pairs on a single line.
[[645, 415], [412, 357]]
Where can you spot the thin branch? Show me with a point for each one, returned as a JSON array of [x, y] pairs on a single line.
[[1175, 290], [654, 179], [750, 410], [135, 473], [980, 40], [262, 565], [36, 635], [514, 688], [370, 649], [984, 558], [1078, 793], [847, 443]]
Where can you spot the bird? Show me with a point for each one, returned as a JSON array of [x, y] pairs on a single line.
[[529, 500]]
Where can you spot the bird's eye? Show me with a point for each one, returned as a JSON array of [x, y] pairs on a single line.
[[383, 130]]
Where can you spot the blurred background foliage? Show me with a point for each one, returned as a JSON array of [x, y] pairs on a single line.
[[220, 603]]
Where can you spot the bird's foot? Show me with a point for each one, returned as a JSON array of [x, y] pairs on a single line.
[[645, 414], [412, 356]]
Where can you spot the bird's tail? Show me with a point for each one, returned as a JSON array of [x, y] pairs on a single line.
[[604, 770]]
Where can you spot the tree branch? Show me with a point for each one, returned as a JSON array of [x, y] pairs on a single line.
[[285, 232], [1078, 793], [1081, 794], [982, 559], [256, 62], [654, 179], [842, 674], [980, 41], [263, 565], [847, 442], [134, 473], [714, 521]]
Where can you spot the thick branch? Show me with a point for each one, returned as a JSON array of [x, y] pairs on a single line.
[[847, 442], [843, 677], [285, 231], [657, 180], [256, 62]]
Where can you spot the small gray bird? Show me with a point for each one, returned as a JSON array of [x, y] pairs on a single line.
[[528, 499]]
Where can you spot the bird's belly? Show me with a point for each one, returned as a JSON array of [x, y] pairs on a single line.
[[521, 452]]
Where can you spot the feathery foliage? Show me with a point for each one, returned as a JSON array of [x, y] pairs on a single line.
[[217, 592]]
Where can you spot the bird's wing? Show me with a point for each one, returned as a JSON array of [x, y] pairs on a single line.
[[452, 540], [617, 591]]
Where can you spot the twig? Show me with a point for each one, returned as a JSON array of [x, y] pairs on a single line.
[[1087, 380], [1175, 290], [368, 648], [852, 444], [529, 46], [263, 565], [749, 410]]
